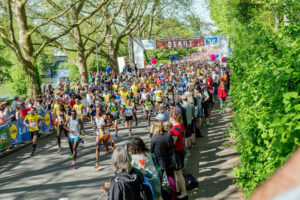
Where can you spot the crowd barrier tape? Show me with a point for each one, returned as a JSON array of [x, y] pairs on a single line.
[[19, 133]]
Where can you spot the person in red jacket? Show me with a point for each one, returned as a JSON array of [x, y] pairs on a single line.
[[222, 96]]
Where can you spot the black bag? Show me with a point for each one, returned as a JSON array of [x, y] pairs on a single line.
[[190, 181], [145, 192], [174, 164], [166, 192]]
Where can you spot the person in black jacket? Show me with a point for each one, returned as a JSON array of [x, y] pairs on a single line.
[[162, 145], [125, 185]]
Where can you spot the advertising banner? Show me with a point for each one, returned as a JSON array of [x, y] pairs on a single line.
[[180, 43], [14, 134], [46, 127], [4, 137], [23, 132], [212, 41]]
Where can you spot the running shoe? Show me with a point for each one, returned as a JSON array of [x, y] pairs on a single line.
[[113, 145], [73, 164], [31, 155], [97, 164], [107, 152], [82, 141], [136, 123], [82, 133], [71, 156], [148, 127], [207, 124], [116, 137], [122, 121], [59, 149]]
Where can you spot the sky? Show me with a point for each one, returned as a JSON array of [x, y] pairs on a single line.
[[201, 9]]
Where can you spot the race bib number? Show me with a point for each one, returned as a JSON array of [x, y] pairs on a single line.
[[124, 99], [148, 107], [33, 124], [114, 113], [78, 112], [60, 119], [158, 98]]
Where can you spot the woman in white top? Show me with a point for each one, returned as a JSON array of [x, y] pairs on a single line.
[[74, 131]]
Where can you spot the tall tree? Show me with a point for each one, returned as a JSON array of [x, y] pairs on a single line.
[[20, 33]]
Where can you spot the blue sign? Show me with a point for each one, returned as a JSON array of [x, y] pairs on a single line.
[[14, 134], [212, 41], [23, 132]]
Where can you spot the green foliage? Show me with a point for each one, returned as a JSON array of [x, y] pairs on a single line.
[[163, 55], [5, 65], [102, 65], [18, 83], [74, 72], [265, 78], [45, 62]]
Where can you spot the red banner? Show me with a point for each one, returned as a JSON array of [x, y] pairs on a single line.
[[180, 43]]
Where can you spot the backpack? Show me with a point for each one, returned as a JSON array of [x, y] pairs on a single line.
[[145, 191], [190, 181]]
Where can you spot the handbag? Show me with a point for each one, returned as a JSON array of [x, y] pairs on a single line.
[[174, 164]]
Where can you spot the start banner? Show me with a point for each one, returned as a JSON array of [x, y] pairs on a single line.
[[180, 43]]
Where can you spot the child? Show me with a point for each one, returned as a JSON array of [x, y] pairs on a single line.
[[105, 187]]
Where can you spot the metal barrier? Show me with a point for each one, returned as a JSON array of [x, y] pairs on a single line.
[[16, 132]]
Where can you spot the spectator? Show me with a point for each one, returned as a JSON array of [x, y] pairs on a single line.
[[126, 183], [189, 110], [15, 102], [162, 147], [142, 160], [178, 133]]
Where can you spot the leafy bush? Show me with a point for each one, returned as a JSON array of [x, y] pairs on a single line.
[[265, 85]]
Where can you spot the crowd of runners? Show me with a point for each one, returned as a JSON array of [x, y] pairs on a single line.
[[176, 100]]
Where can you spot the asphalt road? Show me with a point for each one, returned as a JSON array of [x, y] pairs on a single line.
[[49, 174]]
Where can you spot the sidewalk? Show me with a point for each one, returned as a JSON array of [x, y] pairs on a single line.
[[212, 160]]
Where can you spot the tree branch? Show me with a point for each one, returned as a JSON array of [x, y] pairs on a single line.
[[52, 18]]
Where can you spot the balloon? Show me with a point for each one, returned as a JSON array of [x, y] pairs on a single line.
[[171, 58], [153, 61], [108, 69], [142, 161], [213, 57], [175, 58], [217, 55]]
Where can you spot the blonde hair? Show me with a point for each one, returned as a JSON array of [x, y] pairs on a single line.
[[176, 116], [167, 126], [157, 127]]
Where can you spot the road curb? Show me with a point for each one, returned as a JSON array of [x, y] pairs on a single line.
[[21, 146]]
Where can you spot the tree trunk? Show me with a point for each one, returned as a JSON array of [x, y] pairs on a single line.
[[81, 65], [112, 53], [81, 61], [26, 47]]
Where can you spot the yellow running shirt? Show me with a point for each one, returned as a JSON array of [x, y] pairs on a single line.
[[33, 122], [107, 97], [157, 94], [134, 89], [78, 109], [124, 96]]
